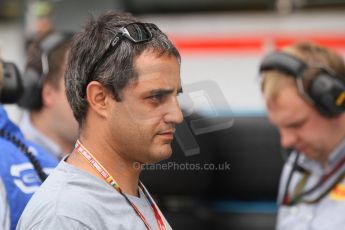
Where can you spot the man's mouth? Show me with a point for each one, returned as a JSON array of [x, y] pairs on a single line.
[[168, 134]]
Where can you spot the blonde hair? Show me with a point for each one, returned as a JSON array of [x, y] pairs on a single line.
[[273, 81]]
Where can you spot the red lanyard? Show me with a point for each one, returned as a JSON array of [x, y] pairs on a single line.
[[111, 181]]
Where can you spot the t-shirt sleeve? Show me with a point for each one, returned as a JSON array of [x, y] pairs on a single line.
[[57, 222]]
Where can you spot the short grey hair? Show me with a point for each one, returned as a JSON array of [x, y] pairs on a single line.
[[117, 70]]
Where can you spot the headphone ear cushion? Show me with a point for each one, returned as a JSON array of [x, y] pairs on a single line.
[[32, 96], [12, 88], [326, 90]]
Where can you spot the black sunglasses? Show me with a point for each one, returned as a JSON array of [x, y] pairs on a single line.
[[135, 32]]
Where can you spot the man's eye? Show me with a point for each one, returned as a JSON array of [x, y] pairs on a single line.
[[296, 125], [157, 97]]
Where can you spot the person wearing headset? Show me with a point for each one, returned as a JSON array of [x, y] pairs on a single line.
[[304, 89], [23, 165], [49, 120], [122, 81]]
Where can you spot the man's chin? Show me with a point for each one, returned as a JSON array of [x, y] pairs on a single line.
[[161, 155], [312, 155]]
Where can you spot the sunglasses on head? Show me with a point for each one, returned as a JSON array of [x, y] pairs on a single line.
[[135, 32]]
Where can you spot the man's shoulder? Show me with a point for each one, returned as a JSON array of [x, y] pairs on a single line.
[[69, 188], [71, 196], [50, 222], [13, 148], [15, 163]]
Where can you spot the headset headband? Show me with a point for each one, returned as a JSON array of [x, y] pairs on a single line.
[[283, 62], [48, 44]]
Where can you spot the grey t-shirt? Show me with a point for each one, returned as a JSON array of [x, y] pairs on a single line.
[[74, 199]]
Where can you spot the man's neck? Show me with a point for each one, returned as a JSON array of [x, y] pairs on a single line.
[[123, 171], [39, 122]]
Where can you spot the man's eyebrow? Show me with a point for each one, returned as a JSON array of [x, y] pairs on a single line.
[[165, 91], [296, 123]]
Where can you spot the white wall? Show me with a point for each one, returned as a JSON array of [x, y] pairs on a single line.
[[235, 70]]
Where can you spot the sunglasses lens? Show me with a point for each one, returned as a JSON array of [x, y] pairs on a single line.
[[138, 32]]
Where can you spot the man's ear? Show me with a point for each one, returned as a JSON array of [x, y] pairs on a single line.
[[97, 97], [341, 118], [48, 95]]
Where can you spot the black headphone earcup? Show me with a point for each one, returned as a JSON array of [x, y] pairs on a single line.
[[12, 84], [326, 90], [32, 96]]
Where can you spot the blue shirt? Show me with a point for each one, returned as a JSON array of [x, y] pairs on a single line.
[[18, 179]]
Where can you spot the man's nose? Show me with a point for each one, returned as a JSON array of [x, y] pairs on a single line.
[[287, 138], [174, 114]]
